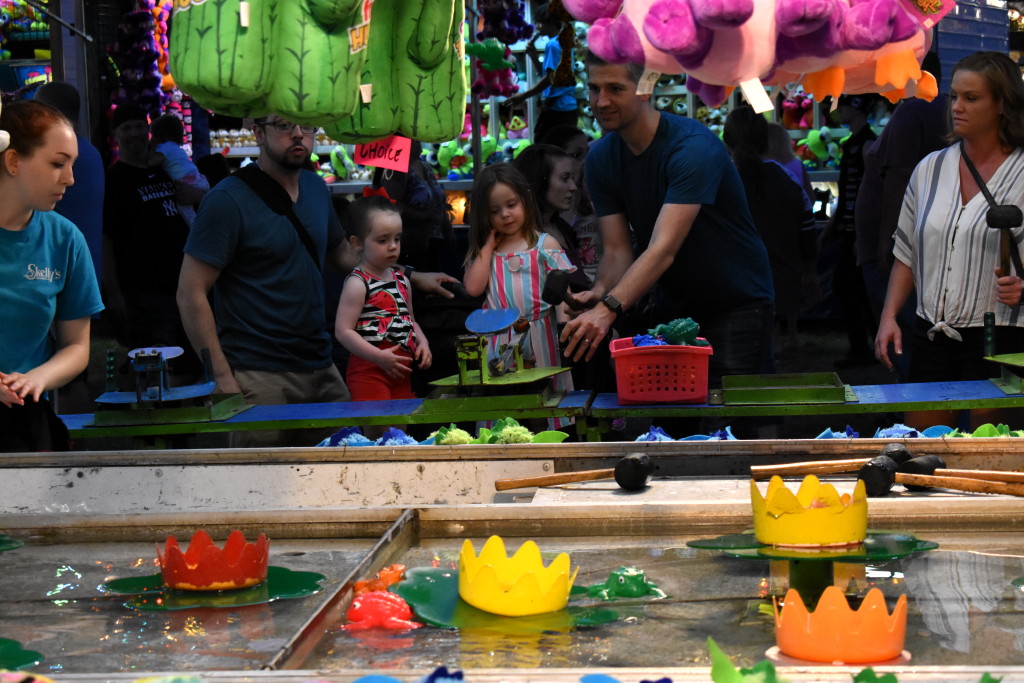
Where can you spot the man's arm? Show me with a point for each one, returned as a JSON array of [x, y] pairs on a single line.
[[194, 284], [670, 230]]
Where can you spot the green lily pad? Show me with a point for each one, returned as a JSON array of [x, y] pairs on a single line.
[[13, 657], [8, 543], [433, 594], [1019, 582], [878, 546], [151, 594]]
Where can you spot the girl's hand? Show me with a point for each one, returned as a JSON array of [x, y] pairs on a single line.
[[1008, 288], [394, 365], [8, 397], [22, 385], [423, 355], [493, 238]]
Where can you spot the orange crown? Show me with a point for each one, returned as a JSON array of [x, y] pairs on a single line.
[[835, 633], [205, 567], [817, 515]]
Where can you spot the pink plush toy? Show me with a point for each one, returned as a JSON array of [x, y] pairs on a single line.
[[824, 44]]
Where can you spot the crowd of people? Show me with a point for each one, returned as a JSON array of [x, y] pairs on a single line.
[[656, 220]]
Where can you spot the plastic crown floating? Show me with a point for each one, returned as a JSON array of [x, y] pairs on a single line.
[[835, 633], [817, 515], [205, 567], [514, 586]]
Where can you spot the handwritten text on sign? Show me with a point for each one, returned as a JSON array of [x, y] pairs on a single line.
[[391, 152]]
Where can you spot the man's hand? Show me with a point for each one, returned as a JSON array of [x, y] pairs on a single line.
[[433, 283], [582, 335]]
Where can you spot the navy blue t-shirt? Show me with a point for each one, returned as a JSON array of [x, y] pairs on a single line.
[[269, 298], [722, 265]]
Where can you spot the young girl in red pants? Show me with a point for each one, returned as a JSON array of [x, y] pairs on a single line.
[[375, 320]]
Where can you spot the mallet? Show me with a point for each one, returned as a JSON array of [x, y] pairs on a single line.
[[631, 473], [556, 289], [882, 472], [895, 451]]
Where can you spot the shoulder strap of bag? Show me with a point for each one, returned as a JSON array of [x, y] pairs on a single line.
[[1018, 266], [277, 200], [977, 177]]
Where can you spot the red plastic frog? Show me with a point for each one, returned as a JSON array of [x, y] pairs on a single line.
[[379, 608]]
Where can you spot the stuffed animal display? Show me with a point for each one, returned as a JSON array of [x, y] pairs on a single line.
[[828, 46]]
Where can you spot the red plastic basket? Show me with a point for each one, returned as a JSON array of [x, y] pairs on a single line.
[[660, 374]]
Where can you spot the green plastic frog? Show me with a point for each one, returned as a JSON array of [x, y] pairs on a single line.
[[625, 582]]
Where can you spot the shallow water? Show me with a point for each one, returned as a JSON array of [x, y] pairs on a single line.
[[963, 610]]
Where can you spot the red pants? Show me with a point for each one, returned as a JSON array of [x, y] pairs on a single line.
[[368, 382]]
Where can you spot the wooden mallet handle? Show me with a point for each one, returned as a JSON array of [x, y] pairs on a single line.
[[813, 467], [961, 484], [552, 479], [987, 475]]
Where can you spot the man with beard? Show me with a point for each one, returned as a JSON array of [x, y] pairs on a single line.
[[260, 240]]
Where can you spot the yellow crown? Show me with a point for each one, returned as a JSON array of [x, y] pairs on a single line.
[[835, 633], [513, 586], [815, 516]]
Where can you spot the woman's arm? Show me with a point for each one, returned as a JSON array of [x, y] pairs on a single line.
[[71, 358], [901, 284]]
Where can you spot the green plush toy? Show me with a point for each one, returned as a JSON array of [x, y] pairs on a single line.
[[414, 74], [299, 58]]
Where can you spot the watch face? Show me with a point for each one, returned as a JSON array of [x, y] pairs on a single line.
[[612, 303]]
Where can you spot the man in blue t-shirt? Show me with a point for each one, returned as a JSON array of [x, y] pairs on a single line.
[[667, 183], [268, 339]]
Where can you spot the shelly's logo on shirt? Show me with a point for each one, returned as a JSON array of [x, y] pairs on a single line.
[[34, 272]]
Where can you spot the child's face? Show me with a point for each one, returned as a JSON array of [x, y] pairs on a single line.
[[506, 210], [384, 241]]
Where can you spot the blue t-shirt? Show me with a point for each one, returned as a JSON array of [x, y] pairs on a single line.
[[46, 274], [722, 265], [269, 297], [556, 98], [83, 202]]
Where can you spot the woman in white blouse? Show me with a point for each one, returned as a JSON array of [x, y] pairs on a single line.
[[944, 249]]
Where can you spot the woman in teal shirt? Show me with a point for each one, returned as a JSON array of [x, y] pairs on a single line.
[[46, 273]]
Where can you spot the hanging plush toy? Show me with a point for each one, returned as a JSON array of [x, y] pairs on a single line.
[[829, 46], [504, 20], [134, 51], [414, 78], [494, 74]]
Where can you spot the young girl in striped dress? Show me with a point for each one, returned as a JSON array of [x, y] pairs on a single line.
[[510, 260]]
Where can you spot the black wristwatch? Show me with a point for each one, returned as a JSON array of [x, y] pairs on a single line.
[[614, 304], [408, 271]]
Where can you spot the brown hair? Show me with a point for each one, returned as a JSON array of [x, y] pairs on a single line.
[[636, 71], [1004, 80], [479, 205], [28, 122]]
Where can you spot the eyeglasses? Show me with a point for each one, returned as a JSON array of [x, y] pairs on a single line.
[[282, 126]]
